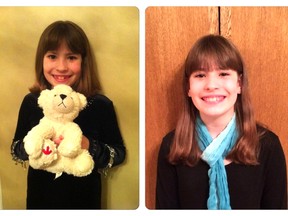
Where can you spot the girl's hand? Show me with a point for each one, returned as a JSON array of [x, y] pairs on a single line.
[[85, 142], [58, 140]]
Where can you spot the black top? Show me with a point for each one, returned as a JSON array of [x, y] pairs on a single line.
[[99, 124], [263, 186]]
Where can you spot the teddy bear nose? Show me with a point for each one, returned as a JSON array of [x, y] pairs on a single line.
[[63, 96]]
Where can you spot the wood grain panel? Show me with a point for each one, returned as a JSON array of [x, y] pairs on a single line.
[[261, 36], [170, 33]]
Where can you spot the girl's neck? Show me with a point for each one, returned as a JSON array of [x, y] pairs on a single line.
[[216, 125]]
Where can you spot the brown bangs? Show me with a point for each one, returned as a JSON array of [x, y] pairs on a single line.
[[64, 33], [211, 53]]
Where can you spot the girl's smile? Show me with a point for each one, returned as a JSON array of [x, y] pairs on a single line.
[[213, 99], [62, 66], [62, 78]]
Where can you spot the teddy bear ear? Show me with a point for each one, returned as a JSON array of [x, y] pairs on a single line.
[[83, 100], [43, 97]]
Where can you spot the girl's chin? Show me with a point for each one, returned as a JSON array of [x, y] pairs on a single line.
[[59, 83], [216, 114], [66, 82]]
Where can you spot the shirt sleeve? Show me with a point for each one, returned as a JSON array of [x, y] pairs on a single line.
[[24, 125], [106, 142], [275, 187], [166, 183]]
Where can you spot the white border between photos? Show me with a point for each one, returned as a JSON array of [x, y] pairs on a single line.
[[141, 5]]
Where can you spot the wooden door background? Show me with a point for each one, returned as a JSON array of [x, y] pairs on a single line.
[[260, 33]]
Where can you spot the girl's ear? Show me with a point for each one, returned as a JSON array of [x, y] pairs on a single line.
[[187, 86], [188, 92], [239, 83]]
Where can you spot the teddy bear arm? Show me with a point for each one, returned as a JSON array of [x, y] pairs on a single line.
[[70, 146]]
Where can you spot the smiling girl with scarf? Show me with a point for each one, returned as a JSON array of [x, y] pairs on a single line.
[[218, 157]]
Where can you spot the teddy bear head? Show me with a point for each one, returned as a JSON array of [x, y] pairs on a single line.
[[61, 103]]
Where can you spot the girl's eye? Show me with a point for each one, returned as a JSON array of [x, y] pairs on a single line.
[[224, 74], [51, 56], [72, 57], [199, 75]]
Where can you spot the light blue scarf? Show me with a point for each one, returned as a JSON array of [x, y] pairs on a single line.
[[214, 152]]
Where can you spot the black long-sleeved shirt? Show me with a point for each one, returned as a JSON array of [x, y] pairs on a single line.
[[262, 186], [98, 123]]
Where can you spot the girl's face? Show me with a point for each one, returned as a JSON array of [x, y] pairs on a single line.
[[61, 66], [214, 93]]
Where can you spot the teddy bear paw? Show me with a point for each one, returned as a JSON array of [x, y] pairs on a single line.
[[49, 154]]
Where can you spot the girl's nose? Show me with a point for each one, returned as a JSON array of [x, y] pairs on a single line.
[[212, 83], [62, 65]]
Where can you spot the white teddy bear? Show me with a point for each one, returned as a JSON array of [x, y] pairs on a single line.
[[61, 105]]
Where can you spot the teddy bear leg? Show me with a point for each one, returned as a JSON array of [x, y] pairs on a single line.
[[81, 165], [71, 143]]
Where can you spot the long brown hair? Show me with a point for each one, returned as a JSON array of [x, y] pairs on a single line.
[[76, 40], [208, 52]]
